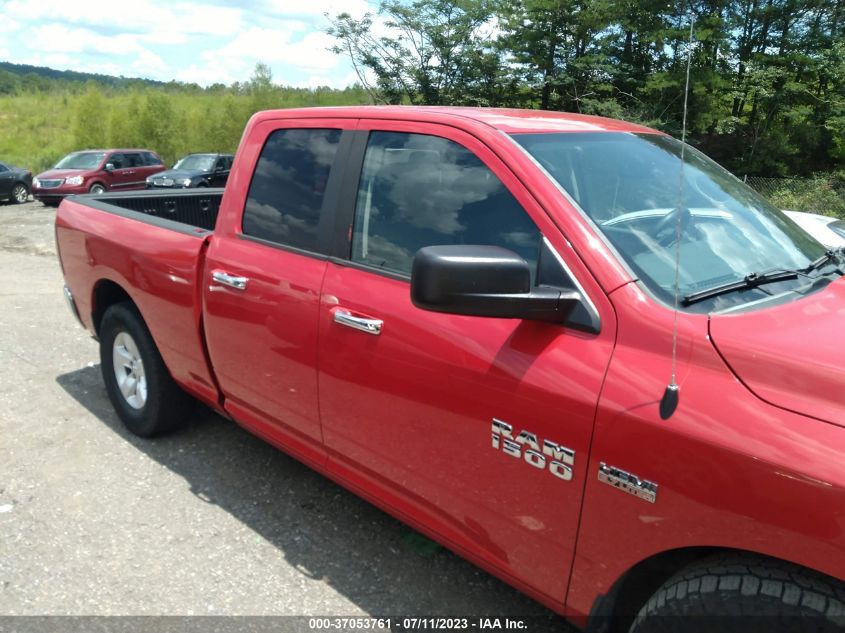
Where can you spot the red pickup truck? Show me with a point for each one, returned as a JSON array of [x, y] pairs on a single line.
[[466, 316]]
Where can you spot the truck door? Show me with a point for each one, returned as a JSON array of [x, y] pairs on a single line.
[[263, 273], [476, 427]]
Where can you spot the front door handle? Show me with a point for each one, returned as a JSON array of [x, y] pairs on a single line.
[[221, 277], [370, 326]]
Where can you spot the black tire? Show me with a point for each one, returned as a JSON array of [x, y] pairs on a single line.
[[164, 407], [20, 193], [729, 588], [97, 189]]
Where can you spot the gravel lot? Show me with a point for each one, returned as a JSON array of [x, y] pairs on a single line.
[[211, 520]]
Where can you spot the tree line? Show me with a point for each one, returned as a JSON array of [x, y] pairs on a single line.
[[767, 95], [40, 125]]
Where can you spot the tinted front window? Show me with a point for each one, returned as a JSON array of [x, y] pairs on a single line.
[[286, 195], [418, 190], [81, 160], [3, 168], [629, 185]]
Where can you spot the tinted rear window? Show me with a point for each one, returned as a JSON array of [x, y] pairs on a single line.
[[286, 195]]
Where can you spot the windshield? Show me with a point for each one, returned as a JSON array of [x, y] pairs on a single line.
[[196, 162], [630, 187], [81, 160]]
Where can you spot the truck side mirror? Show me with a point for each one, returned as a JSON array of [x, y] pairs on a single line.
[[484, 281], [109, 167]]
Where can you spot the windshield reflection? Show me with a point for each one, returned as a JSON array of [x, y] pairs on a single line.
[[629, 185]]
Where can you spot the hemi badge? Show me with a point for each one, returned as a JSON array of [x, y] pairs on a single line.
[[626, 482]]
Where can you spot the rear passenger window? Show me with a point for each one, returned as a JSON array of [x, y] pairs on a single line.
[[286, 195], [417, 190], [151, 159]]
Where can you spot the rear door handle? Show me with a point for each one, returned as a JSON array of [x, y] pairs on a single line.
[[365, 324], [221, 277]]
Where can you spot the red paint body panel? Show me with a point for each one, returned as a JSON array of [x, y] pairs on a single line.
[[768, 350], [732, 471], [404, 418]]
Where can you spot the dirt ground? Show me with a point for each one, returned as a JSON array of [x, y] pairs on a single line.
[[211, 520]]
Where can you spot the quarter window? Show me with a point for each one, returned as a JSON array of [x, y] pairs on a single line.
[[418, 190], [286, 195]]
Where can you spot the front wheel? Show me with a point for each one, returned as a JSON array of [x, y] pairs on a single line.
[[139, 386], [744, 593], [20, 193], [97, 189]]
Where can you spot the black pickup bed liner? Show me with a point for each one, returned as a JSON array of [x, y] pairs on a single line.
[[185, 210]]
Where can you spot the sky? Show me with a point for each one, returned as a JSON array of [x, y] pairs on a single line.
[[204, 42]]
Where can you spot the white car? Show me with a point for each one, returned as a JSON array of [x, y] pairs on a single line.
[[829, 231]]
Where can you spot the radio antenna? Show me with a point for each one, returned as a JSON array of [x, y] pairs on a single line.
[[669, 402]]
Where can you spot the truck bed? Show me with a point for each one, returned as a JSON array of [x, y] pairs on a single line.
[[196, 208], [150, 245]]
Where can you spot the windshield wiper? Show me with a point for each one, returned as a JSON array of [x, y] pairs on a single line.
[[752, 280], [831, 256]]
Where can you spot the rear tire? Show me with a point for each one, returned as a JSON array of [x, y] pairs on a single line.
[[20, 193], [140, 388], [97, 189], [730, 588]]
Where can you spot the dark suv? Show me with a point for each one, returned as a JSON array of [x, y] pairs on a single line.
[[96, 171], [194, 170]]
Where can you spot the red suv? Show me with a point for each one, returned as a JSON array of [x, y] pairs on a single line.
[[96, 171]]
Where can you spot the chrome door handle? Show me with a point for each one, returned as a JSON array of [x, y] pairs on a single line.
[[370, 326], [238, 283]]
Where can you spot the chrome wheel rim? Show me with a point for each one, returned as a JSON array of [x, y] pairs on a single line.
[[97, 189], [129, 370], [21, 194]]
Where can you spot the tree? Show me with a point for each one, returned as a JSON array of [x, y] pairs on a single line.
[[158, 125], [89, 129], [260, 88], [432, 52]]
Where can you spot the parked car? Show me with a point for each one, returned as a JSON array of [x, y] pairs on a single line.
[[468, 317], [96, 171], [15, 183], [194, 170], [827, 230]]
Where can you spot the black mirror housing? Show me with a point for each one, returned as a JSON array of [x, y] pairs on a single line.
[[485, 281]]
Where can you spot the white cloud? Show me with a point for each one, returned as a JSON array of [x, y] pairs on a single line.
[[63, 39], [156, 21], [203, 42], [149, 64]]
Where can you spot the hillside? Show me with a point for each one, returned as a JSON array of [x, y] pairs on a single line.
[[17, 77]]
